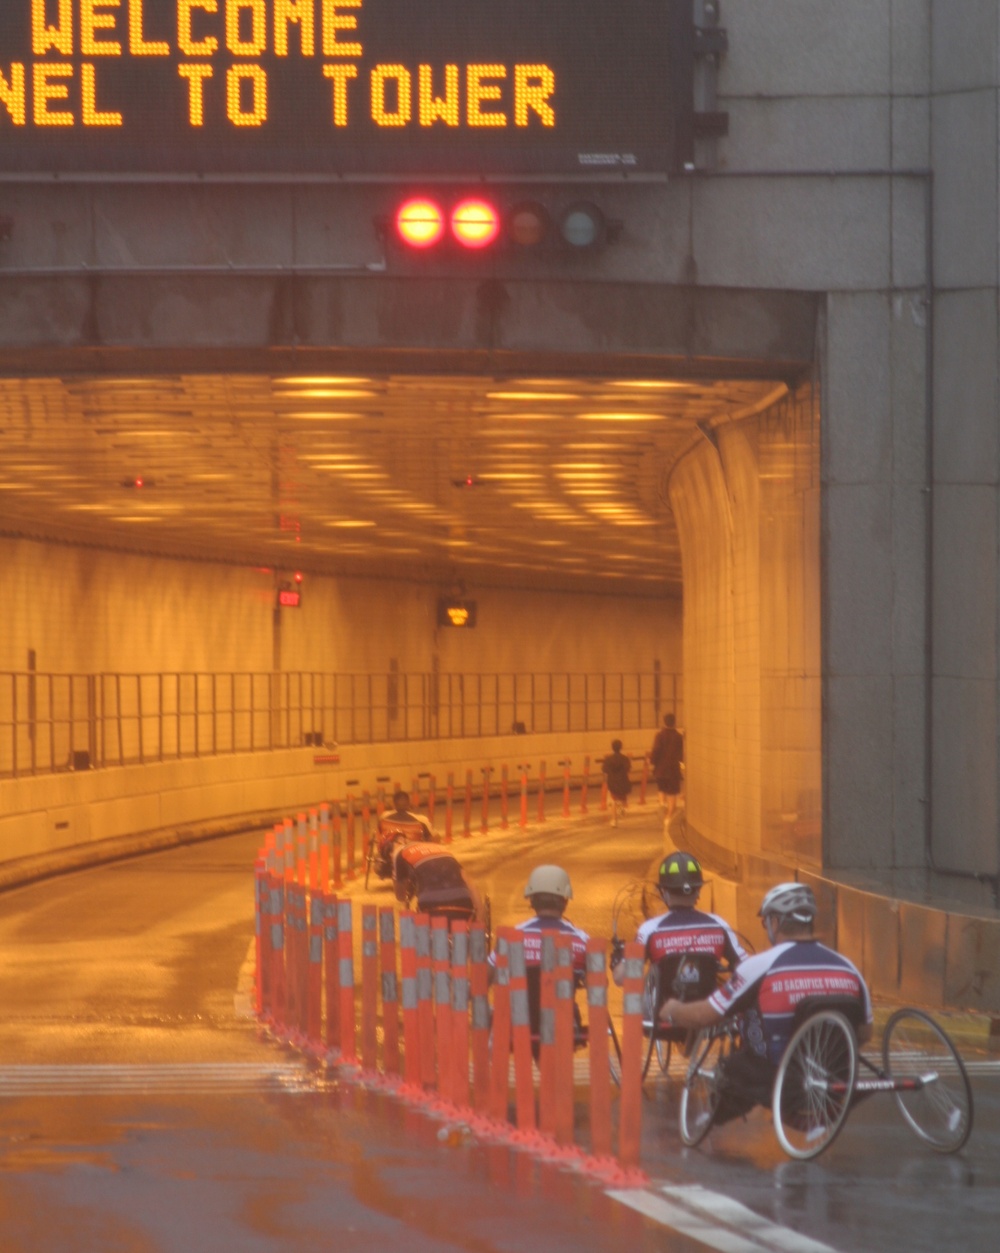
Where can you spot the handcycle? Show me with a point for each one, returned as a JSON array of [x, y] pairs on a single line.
[[384, 842], [822, 1075]]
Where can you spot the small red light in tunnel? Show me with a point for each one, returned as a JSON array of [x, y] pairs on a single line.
[[475, 223], [298, 576], [420, 223]]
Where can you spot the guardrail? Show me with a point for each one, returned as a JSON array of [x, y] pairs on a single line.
[[57, 722]]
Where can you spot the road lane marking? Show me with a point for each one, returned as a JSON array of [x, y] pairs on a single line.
[[716, 1221], [178, 1078]]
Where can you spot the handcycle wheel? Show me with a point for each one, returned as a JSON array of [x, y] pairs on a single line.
[[937, 1103], [650, 997], [700, 1094], [814, 1083]]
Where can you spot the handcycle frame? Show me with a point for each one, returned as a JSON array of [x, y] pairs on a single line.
[[822, 1075]]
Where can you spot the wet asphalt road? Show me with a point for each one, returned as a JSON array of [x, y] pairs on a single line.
[[141, 1110]]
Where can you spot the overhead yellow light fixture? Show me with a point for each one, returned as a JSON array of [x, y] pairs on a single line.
[[620, 417], [532, 396], [329, 393], [322, 381], [351, 523], [511, 476], [321, 415], [651, 384]]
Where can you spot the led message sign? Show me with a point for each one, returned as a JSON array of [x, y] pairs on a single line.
[[352, 88]]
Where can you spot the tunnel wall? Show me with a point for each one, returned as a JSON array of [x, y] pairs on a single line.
[[746, 499], [84, 610]]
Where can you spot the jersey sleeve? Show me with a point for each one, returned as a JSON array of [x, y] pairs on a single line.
[[738, 992]]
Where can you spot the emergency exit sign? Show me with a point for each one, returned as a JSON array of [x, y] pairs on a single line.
[[349, 88]]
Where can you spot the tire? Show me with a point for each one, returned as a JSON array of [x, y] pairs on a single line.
[[814, 1084], [939, 1111], [663, 1049], [700, 1094], [650, 997]]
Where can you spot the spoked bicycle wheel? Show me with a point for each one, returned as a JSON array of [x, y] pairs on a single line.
[[650, 999], [700, 1094], [936, 1101], [813, 1086]]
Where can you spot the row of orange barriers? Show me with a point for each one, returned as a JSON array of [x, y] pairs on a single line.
[[424, 1010]]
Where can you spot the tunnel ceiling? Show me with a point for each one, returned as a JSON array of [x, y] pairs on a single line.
[[554, 482]]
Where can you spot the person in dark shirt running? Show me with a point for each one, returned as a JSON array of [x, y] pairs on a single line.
[[616, 767], [765, 990], [666, 756]]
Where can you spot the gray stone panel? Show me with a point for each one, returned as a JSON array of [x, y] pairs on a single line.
[[909, 783], [971, 976], [965, 776], [965, 582], [964, 153], [858, 754], [810, 47], [857, 428], [911, 133], [882, 945], [851, 925], [858, 603], [964, 36], [909, 578], [922, 954], [966, 387], [806, 133], [909, 231], [908, 368], [910, 45], [818, 234], [50, 227]]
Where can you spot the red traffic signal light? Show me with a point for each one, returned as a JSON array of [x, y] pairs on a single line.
[[420, 223], [477, 223]]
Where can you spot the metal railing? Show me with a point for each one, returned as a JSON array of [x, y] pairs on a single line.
[[57, 722]]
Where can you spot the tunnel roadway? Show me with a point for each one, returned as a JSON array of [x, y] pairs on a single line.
[[143, 1110]]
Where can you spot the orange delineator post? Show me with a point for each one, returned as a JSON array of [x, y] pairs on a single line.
[[643, 783], [289, 847], [431, 796], [541, 791], [425, 1000], [630, 1117], [467, 823], [442, 1003], [338, 880], [369, 987], [351, 871], [562, 1052], [503, 797], [314, 985], [485, 824], [600, 1073], [547, 1036], [324, 847], [449, 804], [411, 1020], [313, 849], [520, 1024], [366, 826], [301, 850], [565, 808], [500, 1054], [479, 989], [278, 996], [291, 1020], [262, 937], [345, 947], [460, 1012], [331, 971], [524, 795], [583, 785], [390, 993]]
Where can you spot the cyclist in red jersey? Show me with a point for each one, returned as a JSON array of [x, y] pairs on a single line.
[[765, 991]]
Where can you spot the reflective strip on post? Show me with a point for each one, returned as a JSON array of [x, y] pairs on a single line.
[[630, 1121], [345, 943], [460, 1012], [501, 1042], [521, 1032], [411, 1022], [390, 997], [331, 968], [600, 1073]]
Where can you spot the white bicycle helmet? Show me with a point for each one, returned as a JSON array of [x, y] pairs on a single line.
[[790, 900], [549, 881]]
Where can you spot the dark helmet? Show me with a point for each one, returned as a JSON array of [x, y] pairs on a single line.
[[680, 872]]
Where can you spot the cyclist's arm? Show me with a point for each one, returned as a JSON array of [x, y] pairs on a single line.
[[692, 1015]]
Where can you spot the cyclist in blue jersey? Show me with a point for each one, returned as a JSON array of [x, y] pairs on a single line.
[[765, 991], [686, 945]]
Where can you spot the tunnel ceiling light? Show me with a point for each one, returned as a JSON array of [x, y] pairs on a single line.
[[327, 415], [532, 396], [420, 223], [620, 417], [329, 393], [322, 382]]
